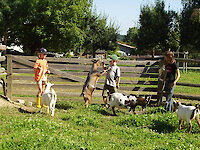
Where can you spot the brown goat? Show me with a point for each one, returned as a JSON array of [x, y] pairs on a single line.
[[92, 78]]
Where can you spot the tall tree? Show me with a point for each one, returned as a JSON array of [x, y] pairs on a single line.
[[154, 28], [12, 13], [190, 25], [174, 34], [56, 25], [131, 36], [99, 35]]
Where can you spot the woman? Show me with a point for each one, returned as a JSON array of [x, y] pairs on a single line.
[[172, 76]]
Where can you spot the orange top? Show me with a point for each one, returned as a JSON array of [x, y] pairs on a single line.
[[41, 65]]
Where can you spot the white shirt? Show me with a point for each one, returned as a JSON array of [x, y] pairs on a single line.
[[112, 75]]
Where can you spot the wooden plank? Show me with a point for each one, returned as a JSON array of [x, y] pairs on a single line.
[[60, 94], [134, 82], [190, 97], [88, 67], [146, 75], [188, 60], [9, 76], [50, 78], [56, 86], [57, 79], [88, 61], [55, 71]]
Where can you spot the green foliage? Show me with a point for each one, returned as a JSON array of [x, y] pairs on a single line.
[[174, 34], [99, 35], [154, 27], [59, 26], [190, 22]]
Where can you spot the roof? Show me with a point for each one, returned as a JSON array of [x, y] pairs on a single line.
[[126, 45]]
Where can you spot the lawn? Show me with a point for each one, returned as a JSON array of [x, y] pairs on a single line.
[[75, 127]]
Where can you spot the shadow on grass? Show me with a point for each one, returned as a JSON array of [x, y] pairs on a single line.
[[99, 109], [63, 105], [162, 127], [26, 111]]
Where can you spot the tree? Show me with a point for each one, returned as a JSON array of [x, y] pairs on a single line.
[[174, 34], [99, 35], [12, 13], [131, 36], [57, 25], [190, 25], [154, 28]]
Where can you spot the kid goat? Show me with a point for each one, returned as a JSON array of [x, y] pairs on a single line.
[[49, 98], [187, 113], [130, 101], [92, 78]]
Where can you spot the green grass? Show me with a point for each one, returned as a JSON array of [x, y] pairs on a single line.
[[75, 127], [190, 77]]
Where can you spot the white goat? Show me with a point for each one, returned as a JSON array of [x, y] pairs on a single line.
[[49, 98], [187, 113]]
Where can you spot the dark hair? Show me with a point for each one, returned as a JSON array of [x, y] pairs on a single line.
[[43, 50], [170, 55]]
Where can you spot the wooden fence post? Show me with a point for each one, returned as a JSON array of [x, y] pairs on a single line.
[[9, 76], [161, 81]]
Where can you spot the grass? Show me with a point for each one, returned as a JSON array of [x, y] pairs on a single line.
[[75, 127]]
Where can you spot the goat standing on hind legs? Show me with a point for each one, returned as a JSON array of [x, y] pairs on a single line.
[[92, 78]]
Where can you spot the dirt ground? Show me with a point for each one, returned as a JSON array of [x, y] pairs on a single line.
[[21, 107]]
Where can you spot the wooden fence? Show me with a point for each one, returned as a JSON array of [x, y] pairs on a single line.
[[137, 77], [69, 74]]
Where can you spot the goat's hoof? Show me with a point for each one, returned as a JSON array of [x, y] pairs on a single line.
[[106, 106]]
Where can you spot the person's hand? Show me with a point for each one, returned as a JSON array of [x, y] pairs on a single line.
[[48, 71], [108, 68], [172, 84], [117, 86]]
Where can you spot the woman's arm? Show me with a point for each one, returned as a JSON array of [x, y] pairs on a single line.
[[177, 78], [177, 75]]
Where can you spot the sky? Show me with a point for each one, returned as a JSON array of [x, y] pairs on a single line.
[[125, 13]]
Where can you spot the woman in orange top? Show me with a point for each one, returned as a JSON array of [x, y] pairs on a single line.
[[41, 70]]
